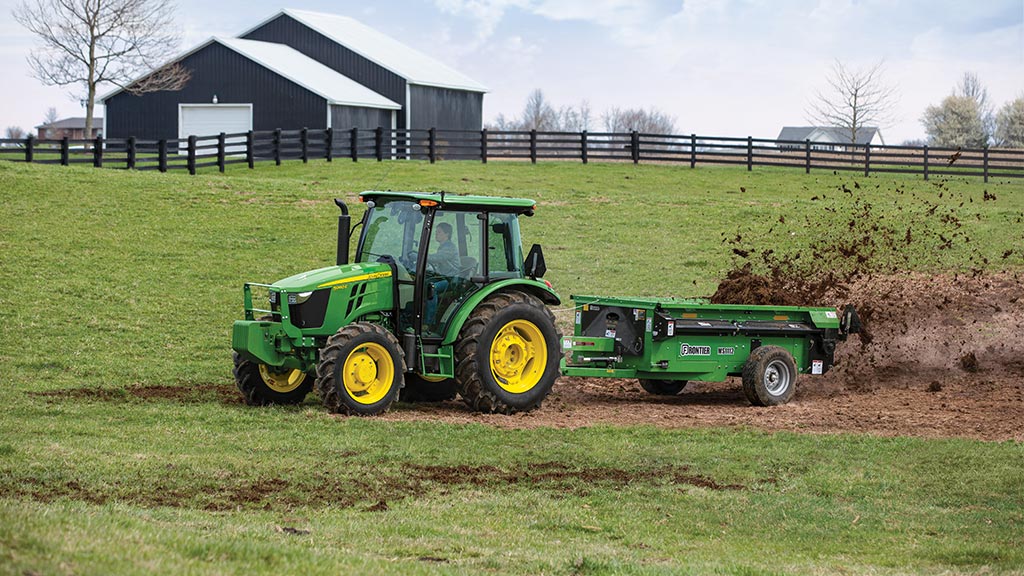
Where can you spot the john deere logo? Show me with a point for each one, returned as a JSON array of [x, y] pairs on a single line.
[[688, 350]]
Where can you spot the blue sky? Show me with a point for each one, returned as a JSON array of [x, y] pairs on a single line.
[[729, 68]]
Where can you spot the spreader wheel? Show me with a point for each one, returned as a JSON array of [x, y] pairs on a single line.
[[360, 370], [662, 387], [769, 376], [507, 354], [261, 384]]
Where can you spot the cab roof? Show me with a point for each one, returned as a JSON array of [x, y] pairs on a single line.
[[459, 201]]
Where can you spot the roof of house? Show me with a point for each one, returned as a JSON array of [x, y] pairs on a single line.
[[414, 66], [835, 134], [78, 122], [300, 69]]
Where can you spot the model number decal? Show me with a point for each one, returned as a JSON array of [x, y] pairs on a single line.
[[723, 351], [688, 350]]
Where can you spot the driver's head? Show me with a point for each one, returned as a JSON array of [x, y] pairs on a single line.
[[444, 232]]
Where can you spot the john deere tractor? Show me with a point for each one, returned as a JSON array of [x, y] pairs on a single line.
[[439, 300]]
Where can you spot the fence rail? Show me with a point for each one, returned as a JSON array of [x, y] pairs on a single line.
[[220, 150]]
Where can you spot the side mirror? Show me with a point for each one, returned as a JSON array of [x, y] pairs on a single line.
[[534, 264]]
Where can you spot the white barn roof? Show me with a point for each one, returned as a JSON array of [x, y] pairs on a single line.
[[308, 73], [414, 66], [300, 69]]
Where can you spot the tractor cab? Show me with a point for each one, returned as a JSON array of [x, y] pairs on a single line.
[[443, 249]]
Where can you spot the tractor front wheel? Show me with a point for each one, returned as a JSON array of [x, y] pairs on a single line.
[[662, 387], [506, 358], [769, 376], [261, 384], [360, 370]]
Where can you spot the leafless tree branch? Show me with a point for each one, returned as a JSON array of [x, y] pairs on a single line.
[[855, 99]]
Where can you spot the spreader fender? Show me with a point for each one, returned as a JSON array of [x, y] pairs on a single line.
[[533, 287]]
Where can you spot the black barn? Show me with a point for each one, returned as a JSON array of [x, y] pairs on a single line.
[[301, 69]]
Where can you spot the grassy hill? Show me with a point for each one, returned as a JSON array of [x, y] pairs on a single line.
[[122, 450]]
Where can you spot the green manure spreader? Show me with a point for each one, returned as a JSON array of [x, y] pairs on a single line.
[[439, 301]]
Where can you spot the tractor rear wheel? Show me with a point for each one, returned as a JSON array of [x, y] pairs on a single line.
[[506, 358], [769, 376], [660, 387], [261, 384], [423, 389], [360, 370]]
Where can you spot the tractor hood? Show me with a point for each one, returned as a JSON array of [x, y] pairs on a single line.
[[334, 276]]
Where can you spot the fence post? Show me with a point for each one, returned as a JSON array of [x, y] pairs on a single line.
[[807, 155], [432, 144], [483, 146], [750, 153], [30, 147], [986, 163], [867, 159], [583, 146], [97, 152], [533, 146], [330, 144], [925, 161], [378, 143], [131, 152], [634, 144], [277, 146], [161, 152], [250, 153], [221, 151], [693, 150], [304, 141], [192, 155], [65, 151], [353, 144]]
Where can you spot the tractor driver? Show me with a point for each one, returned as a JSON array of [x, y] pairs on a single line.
[[445, 263]]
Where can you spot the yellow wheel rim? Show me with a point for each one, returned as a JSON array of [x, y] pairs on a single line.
[[368, 373], [281, 382], [518, 356]]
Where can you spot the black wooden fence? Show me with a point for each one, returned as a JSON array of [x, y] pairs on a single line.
[[196, 152]]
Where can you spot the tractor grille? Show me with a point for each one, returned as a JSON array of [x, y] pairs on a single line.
[[311, 313]]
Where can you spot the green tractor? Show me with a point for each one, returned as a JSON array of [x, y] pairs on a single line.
[[438, 300]]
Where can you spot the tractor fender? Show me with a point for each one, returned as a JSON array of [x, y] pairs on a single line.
[[532, 287]]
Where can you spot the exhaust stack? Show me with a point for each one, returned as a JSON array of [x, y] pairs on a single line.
[[343, 232]]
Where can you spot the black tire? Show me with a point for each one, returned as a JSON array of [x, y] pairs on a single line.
[[374, 363], [769, 376], [419, 389], [261, 385], [529, 345], [662, 387]]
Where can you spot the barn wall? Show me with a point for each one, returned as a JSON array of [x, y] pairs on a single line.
[[277, 102], [445, 109], [286, 30], [346, 117]]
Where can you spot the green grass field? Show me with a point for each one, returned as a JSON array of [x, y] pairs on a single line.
[[120, 452]]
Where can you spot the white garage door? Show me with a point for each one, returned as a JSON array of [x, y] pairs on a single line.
[[211, 120]]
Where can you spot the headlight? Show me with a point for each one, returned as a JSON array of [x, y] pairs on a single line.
[[272, 297], [298, 298]]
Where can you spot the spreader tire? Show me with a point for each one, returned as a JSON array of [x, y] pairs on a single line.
[[360, 370], [261, 384], [507, 354], [419, 389], [769, 376], [662, 387]]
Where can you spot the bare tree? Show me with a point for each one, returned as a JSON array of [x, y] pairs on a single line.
[[575, 119], [538, 113], [50, 118], [854, 99], [14, 133], [650, 121], [970, 87], [92, 42]]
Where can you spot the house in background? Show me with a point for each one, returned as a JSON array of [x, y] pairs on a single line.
[[297, 70], [830, 138], [73, 128]]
